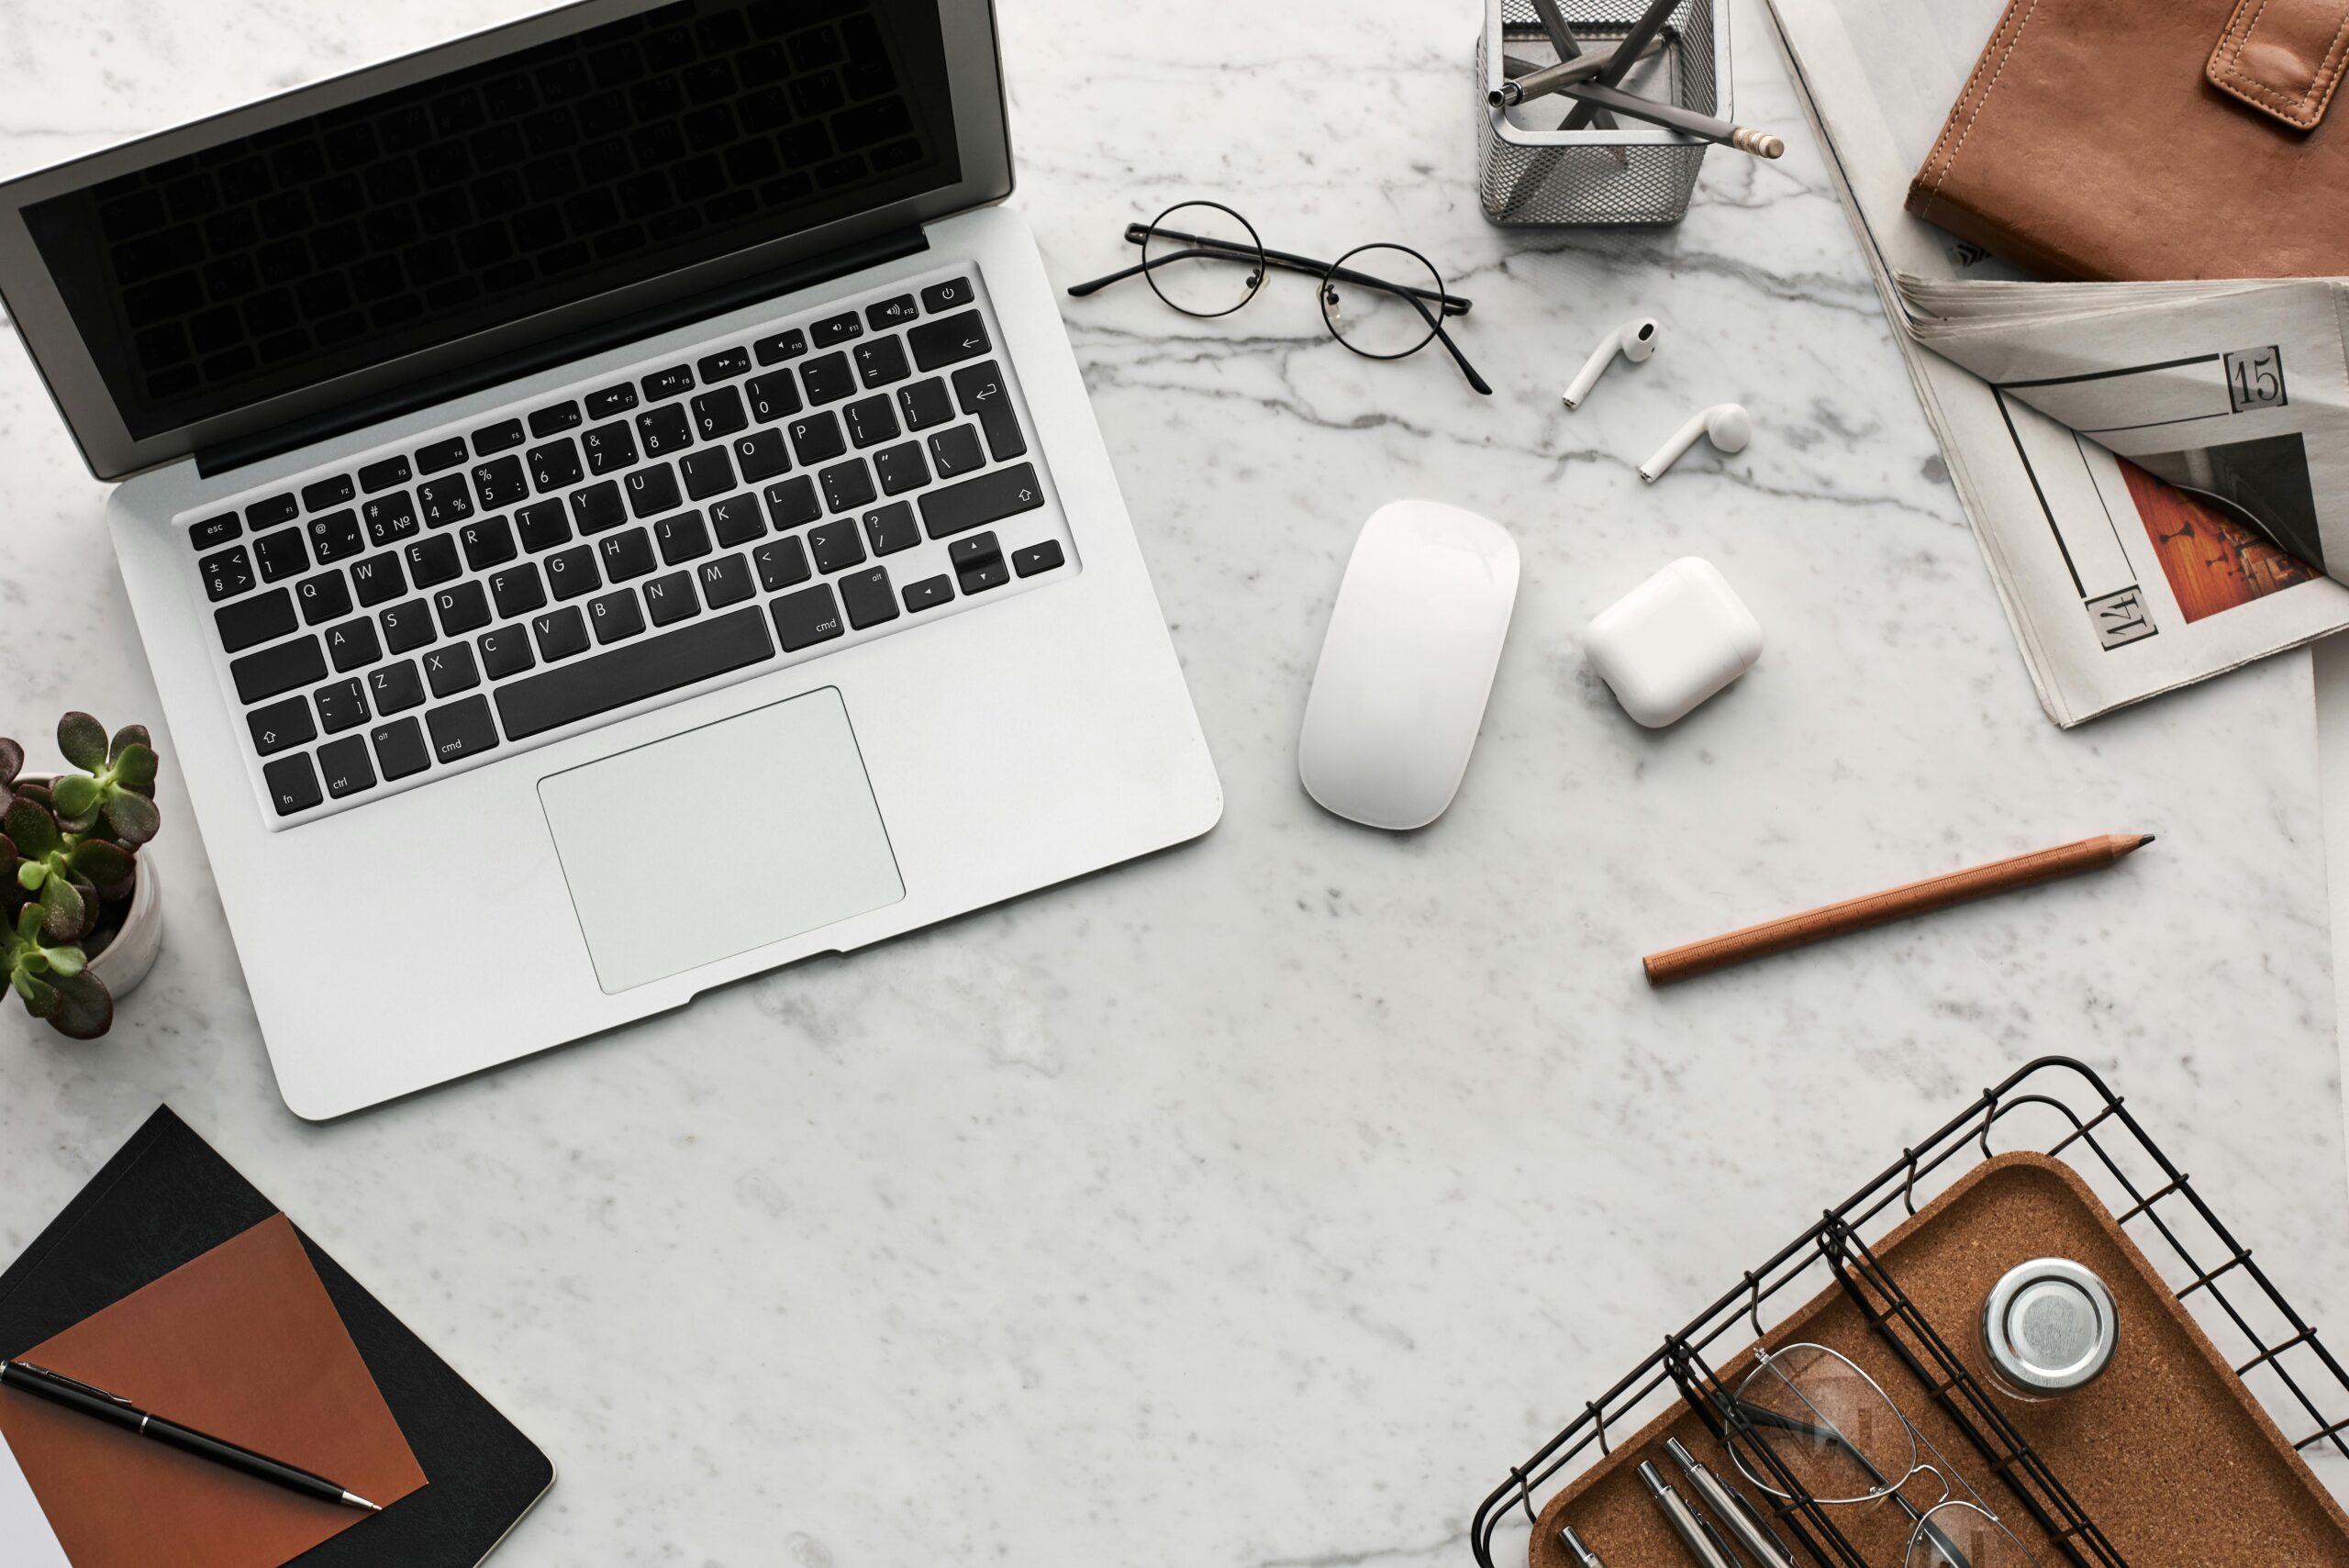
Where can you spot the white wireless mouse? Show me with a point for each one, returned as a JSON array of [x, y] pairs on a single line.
[[1408, 660]]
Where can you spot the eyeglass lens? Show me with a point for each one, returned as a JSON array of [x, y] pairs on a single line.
[[1367, 302], [1829, 1424], [1203, 259]]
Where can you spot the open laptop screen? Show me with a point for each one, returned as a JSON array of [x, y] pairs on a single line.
[[267, 264]]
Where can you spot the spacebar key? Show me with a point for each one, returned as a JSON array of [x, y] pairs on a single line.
[[975, 502], [633, 672]]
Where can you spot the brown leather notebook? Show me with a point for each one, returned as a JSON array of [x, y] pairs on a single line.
[[2150, 139], [241, 1343]]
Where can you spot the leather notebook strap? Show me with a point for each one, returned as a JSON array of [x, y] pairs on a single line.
[[2283, 57]]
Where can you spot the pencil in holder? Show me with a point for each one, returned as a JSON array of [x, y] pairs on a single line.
[[1531, 174]]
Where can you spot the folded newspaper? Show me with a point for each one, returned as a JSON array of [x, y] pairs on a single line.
[[2158, 472]]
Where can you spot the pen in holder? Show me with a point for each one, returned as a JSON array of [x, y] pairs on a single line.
[[1530, 173]]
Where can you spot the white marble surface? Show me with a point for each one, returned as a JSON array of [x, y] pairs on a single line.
[[1178, 1216]]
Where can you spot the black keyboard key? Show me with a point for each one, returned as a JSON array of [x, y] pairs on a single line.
[[293, 784], [599, 508], [451, 669], [280, 725], [542, 525], [947, 295], [1037, 558], [891, 313], [554, 466], [389, 518], [378, 579], [570, 572], [665, 430], [432, 561], [573, 692], [277, 670], [280, 554], [398, 687], [670, 598], [924, 404], [718, 414], [545, 422], [503, 436], [929, 594], [979, 579], [785, 345], [344, 762], [560, 634], [709, 471], [327, 492], [354, 645], [847, 485], [501, 483], [900, 469], [611, 401], [880, 362], [836, 546], [440, 455], [516, 591], [505, 650], [215, 530], [683, 537], [255, 620], [488, 543], [949, 341], [324, 597], [615, 615], [974, 502], [869, 419], [461, 729], [464, 607], [399, 749], [891, 528], [671, 382], [626, 555], [406, 625], [977, 551], [806, 619], [782, 564], [270, 512], [724, 365], [828, 379], [653, 491], [772, 396], [341, 706], [737, 519], [817, 439], [956, 451], [444, 501], [762, 455], [834, 329], [391, 470], [725, 581], [793, 501], [980, 390], [610, 448], [868, 597], [226, 574]]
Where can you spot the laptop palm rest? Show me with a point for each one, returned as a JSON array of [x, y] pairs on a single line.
[[699, 846]]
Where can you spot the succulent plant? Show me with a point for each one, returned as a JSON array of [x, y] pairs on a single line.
[[69, 859]]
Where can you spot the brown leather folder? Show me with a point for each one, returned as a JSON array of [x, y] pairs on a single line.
[[2150, 139]]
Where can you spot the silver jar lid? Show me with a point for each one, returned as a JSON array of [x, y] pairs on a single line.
[[2049, 1326]]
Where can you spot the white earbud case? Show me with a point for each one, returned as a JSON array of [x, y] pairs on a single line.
[[1673, 641]]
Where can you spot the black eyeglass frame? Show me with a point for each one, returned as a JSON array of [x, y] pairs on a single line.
[[1263, 256]]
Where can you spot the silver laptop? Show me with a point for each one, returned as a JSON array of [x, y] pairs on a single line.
[[611, 509]]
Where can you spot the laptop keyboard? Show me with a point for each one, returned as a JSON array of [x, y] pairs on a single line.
[[755, 503]]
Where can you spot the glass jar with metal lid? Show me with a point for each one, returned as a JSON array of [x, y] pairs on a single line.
[[2049, 1327]]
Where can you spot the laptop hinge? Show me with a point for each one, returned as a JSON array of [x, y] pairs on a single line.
[[574, 345]]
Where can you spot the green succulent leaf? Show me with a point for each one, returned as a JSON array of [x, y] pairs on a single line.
[[65, 963], [134, 764], [107, 867], [68, 916], [41, 998], [31, 874], [28, 920], [31, 827], [129, 735], [85, 1008], [133, 817], [84, 742], [12, 761], [76, 796]]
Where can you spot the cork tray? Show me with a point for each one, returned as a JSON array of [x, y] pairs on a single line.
[[2168, 1452]]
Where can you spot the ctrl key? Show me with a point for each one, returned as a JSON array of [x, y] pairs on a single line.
[[293, 784], [461, 728], [346, 766]]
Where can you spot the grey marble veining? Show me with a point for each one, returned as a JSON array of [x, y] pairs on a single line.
[[1177, 1214]]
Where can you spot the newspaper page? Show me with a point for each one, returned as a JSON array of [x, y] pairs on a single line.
[[2130, 455]]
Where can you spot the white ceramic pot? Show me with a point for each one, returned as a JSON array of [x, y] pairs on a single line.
[[132, 953]]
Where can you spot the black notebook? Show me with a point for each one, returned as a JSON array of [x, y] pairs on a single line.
[[167, 1198]]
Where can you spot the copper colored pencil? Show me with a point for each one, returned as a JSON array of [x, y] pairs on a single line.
[[1893, 903]]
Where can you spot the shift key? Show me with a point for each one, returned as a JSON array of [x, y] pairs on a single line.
[[975, 502]]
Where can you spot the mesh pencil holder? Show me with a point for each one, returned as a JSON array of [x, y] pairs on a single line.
[[1634, 173]]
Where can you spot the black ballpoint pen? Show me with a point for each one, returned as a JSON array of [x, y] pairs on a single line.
[[112, 1409]]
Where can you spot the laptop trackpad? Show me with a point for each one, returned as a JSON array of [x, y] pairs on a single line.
[[706, 844]]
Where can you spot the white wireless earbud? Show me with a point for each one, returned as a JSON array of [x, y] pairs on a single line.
[[1727, 424], [1635, 340]]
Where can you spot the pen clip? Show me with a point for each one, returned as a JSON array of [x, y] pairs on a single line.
[[74, 1383]]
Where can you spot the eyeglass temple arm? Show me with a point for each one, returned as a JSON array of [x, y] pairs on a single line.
[[1453, 305], [1435, 324], [1761, 1417]]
